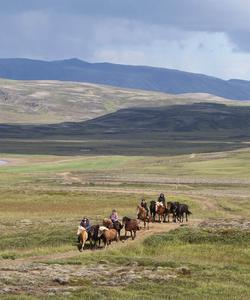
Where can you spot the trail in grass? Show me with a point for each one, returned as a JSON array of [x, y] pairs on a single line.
[[154, 228]]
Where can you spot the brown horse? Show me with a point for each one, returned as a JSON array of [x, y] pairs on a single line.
[[161, 212], [130, 225], [82, 237], [107, 223], [107, 235], [142, 215], [113, 225]]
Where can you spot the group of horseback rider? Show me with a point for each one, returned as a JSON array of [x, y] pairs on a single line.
[[85, 222]]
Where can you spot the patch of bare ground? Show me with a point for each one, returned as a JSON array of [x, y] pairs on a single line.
[[222, 223]]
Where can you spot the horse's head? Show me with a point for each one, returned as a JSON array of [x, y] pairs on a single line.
[[80, 230], [125, 220], [118, 225], [152, 204], [101, 230], [107, 223]]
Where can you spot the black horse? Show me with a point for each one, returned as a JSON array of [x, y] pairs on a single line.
[[118, 226], [178, 211], [172, 208], [93, 236], [182, 209], [152, 210]]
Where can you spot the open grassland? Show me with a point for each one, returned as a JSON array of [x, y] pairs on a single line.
[[55, 101], [43, 197]]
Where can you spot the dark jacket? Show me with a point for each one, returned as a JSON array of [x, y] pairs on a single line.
[[162, 199], [86, 224]]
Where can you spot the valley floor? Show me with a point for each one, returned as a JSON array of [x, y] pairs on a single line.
[[44, 197]]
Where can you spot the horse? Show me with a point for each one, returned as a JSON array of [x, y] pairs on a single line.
[[93, 235], [130, 225], [161, 212], [172, 209], [178, 210], [182, 209], [107, 223], [143, 216], [107, 235], [152, 209], [115, 225], [82, 237]]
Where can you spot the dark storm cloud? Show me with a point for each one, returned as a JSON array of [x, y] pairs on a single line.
[[156, 32]]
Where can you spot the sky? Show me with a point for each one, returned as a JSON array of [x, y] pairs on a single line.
[[202, 36]]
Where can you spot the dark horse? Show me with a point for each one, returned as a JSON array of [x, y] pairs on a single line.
[[152, 210], [182, 209], [93, 236], [143, 216], [172, 209], [178, 211], [130, 225]]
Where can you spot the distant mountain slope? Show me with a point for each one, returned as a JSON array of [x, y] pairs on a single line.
[[136, 77], [56, 102]]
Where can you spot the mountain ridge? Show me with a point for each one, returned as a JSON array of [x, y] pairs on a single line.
[[125, 76]]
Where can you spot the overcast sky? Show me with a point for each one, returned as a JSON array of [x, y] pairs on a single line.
[[204, 36]]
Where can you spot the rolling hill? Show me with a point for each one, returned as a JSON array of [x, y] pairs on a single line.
[[201, 120], [135, 77], [57, 101], [176, 129]]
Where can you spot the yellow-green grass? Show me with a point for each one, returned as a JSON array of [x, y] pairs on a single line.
[[43, 198], [218, 261]]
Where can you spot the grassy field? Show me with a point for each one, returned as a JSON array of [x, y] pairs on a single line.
[[43, 198]]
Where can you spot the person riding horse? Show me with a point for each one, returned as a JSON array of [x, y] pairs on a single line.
[[144, 205], [114, 216], [85, 223], [161, 201]]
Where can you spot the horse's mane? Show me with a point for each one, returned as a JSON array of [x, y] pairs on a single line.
[[126, 219]]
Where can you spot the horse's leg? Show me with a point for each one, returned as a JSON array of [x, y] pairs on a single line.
[[83, 243], [131, 234], [181, 218], [125, 237]]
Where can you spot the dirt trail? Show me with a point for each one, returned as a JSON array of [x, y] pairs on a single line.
[[154, 228], [34, 276]]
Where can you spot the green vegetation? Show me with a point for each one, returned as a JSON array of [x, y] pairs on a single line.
[[44, 197]]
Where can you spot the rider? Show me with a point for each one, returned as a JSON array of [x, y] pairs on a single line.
[[114, 216], [85, 223], [162, 199], [144, 205]]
